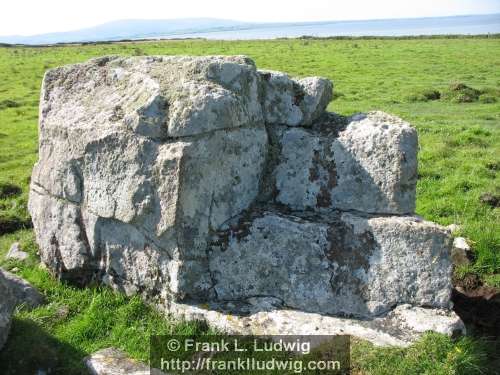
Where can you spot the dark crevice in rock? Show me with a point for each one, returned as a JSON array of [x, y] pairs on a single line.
[[239, 227], [298, 94], [330, 124], [267, 185], [46, 192], [276, 302], [82, 236], [213, 280], [80, 276]]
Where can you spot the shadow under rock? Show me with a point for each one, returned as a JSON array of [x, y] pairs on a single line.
[[30, 350]]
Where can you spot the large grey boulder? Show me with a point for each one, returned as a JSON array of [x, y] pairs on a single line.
[[289, 102], [202, 180], [366, 163], [7, 305], [156, 97], [161, 198], [118, 172]]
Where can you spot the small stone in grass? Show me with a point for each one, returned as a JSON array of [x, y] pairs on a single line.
[[15, 252]]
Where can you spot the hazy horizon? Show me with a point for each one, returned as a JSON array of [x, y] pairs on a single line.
[[241, 22], [223, 29], [54, 16]]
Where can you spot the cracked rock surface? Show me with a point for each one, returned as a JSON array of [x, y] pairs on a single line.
[[367, 163], [196, 180], [341, 264]]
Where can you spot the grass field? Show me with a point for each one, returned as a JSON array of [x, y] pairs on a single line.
[[449, 89]]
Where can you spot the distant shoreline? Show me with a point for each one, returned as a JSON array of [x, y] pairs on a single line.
[[221, 29], [304, 37]]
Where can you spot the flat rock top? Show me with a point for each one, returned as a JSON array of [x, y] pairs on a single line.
[[160, 96]]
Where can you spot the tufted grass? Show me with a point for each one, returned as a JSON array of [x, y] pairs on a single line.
[[459, 161]]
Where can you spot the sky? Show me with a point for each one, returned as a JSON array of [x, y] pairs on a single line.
[[28, 17]]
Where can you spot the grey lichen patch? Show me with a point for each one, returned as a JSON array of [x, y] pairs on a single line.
[[286, 101]]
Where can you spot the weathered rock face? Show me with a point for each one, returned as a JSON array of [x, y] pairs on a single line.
[[25, 294], [112, 361], [368, 164], [293, 103], [153, 154], [265, 316], [7, 304], [201, 179], [340, 264]]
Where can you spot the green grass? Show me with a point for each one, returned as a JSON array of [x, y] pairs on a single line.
[[459, 161]]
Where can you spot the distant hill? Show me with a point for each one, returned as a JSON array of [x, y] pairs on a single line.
[[229, 29], [129, 29]]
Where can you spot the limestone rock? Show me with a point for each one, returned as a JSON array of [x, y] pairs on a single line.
[[111, 182], [289, 102], [421, 320], [158, 199], [318, 92], [15, 252], [453, 228], [60, 234], [261, 316], [195, 180], [112, 361], [7, 304], [153, 96], [24, 293], [368, 164], [343, 264]]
